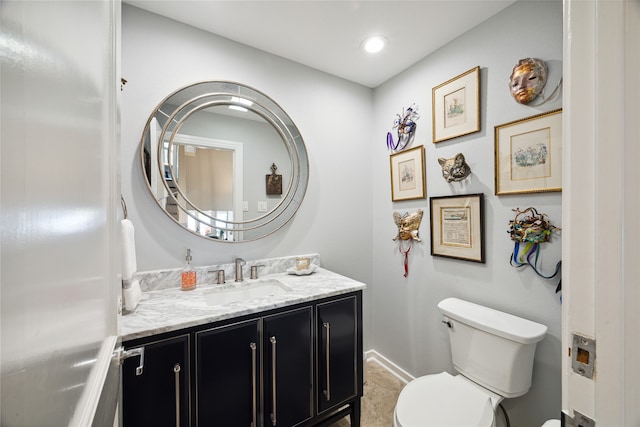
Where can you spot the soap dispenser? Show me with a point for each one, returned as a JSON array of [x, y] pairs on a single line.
[[188, 274]]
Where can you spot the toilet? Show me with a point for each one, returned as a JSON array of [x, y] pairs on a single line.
[[492, 352]]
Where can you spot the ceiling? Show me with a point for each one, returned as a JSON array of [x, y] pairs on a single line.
[[327, 35]]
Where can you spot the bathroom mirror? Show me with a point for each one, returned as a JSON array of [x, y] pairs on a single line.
[[208, 152]]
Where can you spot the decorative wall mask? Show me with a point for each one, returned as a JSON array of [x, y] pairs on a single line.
[[528, 79], [528, 229], [532, 228], [408, 227], [455, 169], [405, 125], [274, 182]]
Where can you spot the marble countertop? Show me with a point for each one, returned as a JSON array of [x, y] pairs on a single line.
[[172, 309]]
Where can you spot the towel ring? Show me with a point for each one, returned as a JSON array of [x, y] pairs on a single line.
[[124, 206]]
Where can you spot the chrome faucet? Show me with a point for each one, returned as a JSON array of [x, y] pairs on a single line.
[[239, 263]]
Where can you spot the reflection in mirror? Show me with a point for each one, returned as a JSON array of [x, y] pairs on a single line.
[[205, 153], [209, 173]]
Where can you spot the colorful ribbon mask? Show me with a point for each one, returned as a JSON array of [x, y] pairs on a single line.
[[405, 125], [528, 231]]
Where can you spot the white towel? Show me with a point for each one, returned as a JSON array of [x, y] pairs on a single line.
[[129, 265], [131, 291], [131, 295]]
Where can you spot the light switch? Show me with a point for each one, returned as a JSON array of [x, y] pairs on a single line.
[[245, 206], [262, 206]]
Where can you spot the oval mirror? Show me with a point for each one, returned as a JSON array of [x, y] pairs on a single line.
[[224, 161]]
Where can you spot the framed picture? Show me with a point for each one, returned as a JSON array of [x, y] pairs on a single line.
[[407, 175], [456, 106], [528, 155], [457, 227], [274, 182], [274, 185]]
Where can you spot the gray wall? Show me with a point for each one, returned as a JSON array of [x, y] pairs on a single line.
[[406, 324], [333, 117], [347, 212]]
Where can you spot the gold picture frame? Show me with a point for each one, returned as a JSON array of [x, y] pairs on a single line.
[[456, 106], [408, 174], [528, 155], [457, 227]]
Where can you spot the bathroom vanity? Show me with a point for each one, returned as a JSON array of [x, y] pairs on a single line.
[[281, 350]]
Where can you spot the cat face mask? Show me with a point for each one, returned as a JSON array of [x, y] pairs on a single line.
[[455, 169], [528, 79]]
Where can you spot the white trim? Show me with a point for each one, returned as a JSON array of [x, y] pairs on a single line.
[[88, 402], [600, 207], [394, 369]]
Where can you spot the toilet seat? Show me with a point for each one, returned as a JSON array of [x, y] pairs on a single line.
[[443, 400]]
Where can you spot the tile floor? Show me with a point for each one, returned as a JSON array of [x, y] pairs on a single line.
[[380, 395]]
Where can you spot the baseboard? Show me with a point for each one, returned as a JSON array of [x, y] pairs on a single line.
[[394, 369]]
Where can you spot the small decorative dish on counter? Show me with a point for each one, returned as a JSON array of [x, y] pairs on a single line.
[[303, 272]]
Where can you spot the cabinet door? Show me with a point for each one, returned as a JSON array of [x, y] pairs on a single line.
[[337, 359], [288, 368], [158, 395], [228, 381]]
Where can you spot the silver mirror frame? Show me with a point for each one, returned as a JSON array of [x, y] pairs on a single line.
[[178, 107]]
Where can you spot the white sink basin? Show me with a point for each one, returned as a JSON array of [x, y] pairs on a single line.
[[228, 294]]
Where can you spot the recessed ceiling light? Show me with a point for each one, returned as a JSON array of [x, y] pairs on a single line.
[[374, 44]]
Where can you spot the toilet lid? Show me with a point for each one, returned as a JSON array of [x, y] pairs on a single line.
[[443, 401]]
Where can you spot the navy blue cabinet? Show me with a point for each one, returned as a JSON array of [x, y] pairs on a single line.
[[288, 368], [247, 381], [339, 362], [227, 375], [294, 366], [156, 384]]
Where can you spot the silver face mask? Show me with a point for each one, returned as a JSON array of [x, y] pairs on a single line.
[[528, 79]]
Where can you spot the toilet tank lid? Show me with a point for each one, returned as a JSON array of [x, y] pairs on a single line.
[[493, 321]]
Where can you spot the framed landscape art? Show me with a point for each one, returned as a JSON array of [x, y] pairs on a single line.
[[456, 106], [528, 155], [408, 175]]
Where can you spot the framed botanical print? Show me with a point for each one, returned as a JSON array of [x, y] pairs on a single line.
[[457, 227], [528, 155], [456, 106], [408, 175]]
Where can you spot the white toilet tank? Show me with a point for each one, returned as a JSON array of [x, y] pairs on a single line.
[[492, 348]]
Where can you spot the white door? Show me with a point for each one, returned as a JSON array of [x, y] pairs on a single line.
[[601, 206], [60, 206]]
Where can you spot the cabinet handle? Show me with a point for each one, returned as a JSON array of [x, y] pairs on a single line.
[[138, 351], [176, 370], [273, 380], [254, 380], [327, 392]]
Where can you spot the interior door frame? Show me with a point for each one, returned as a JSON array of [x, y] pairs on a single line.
[[600, 205]]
